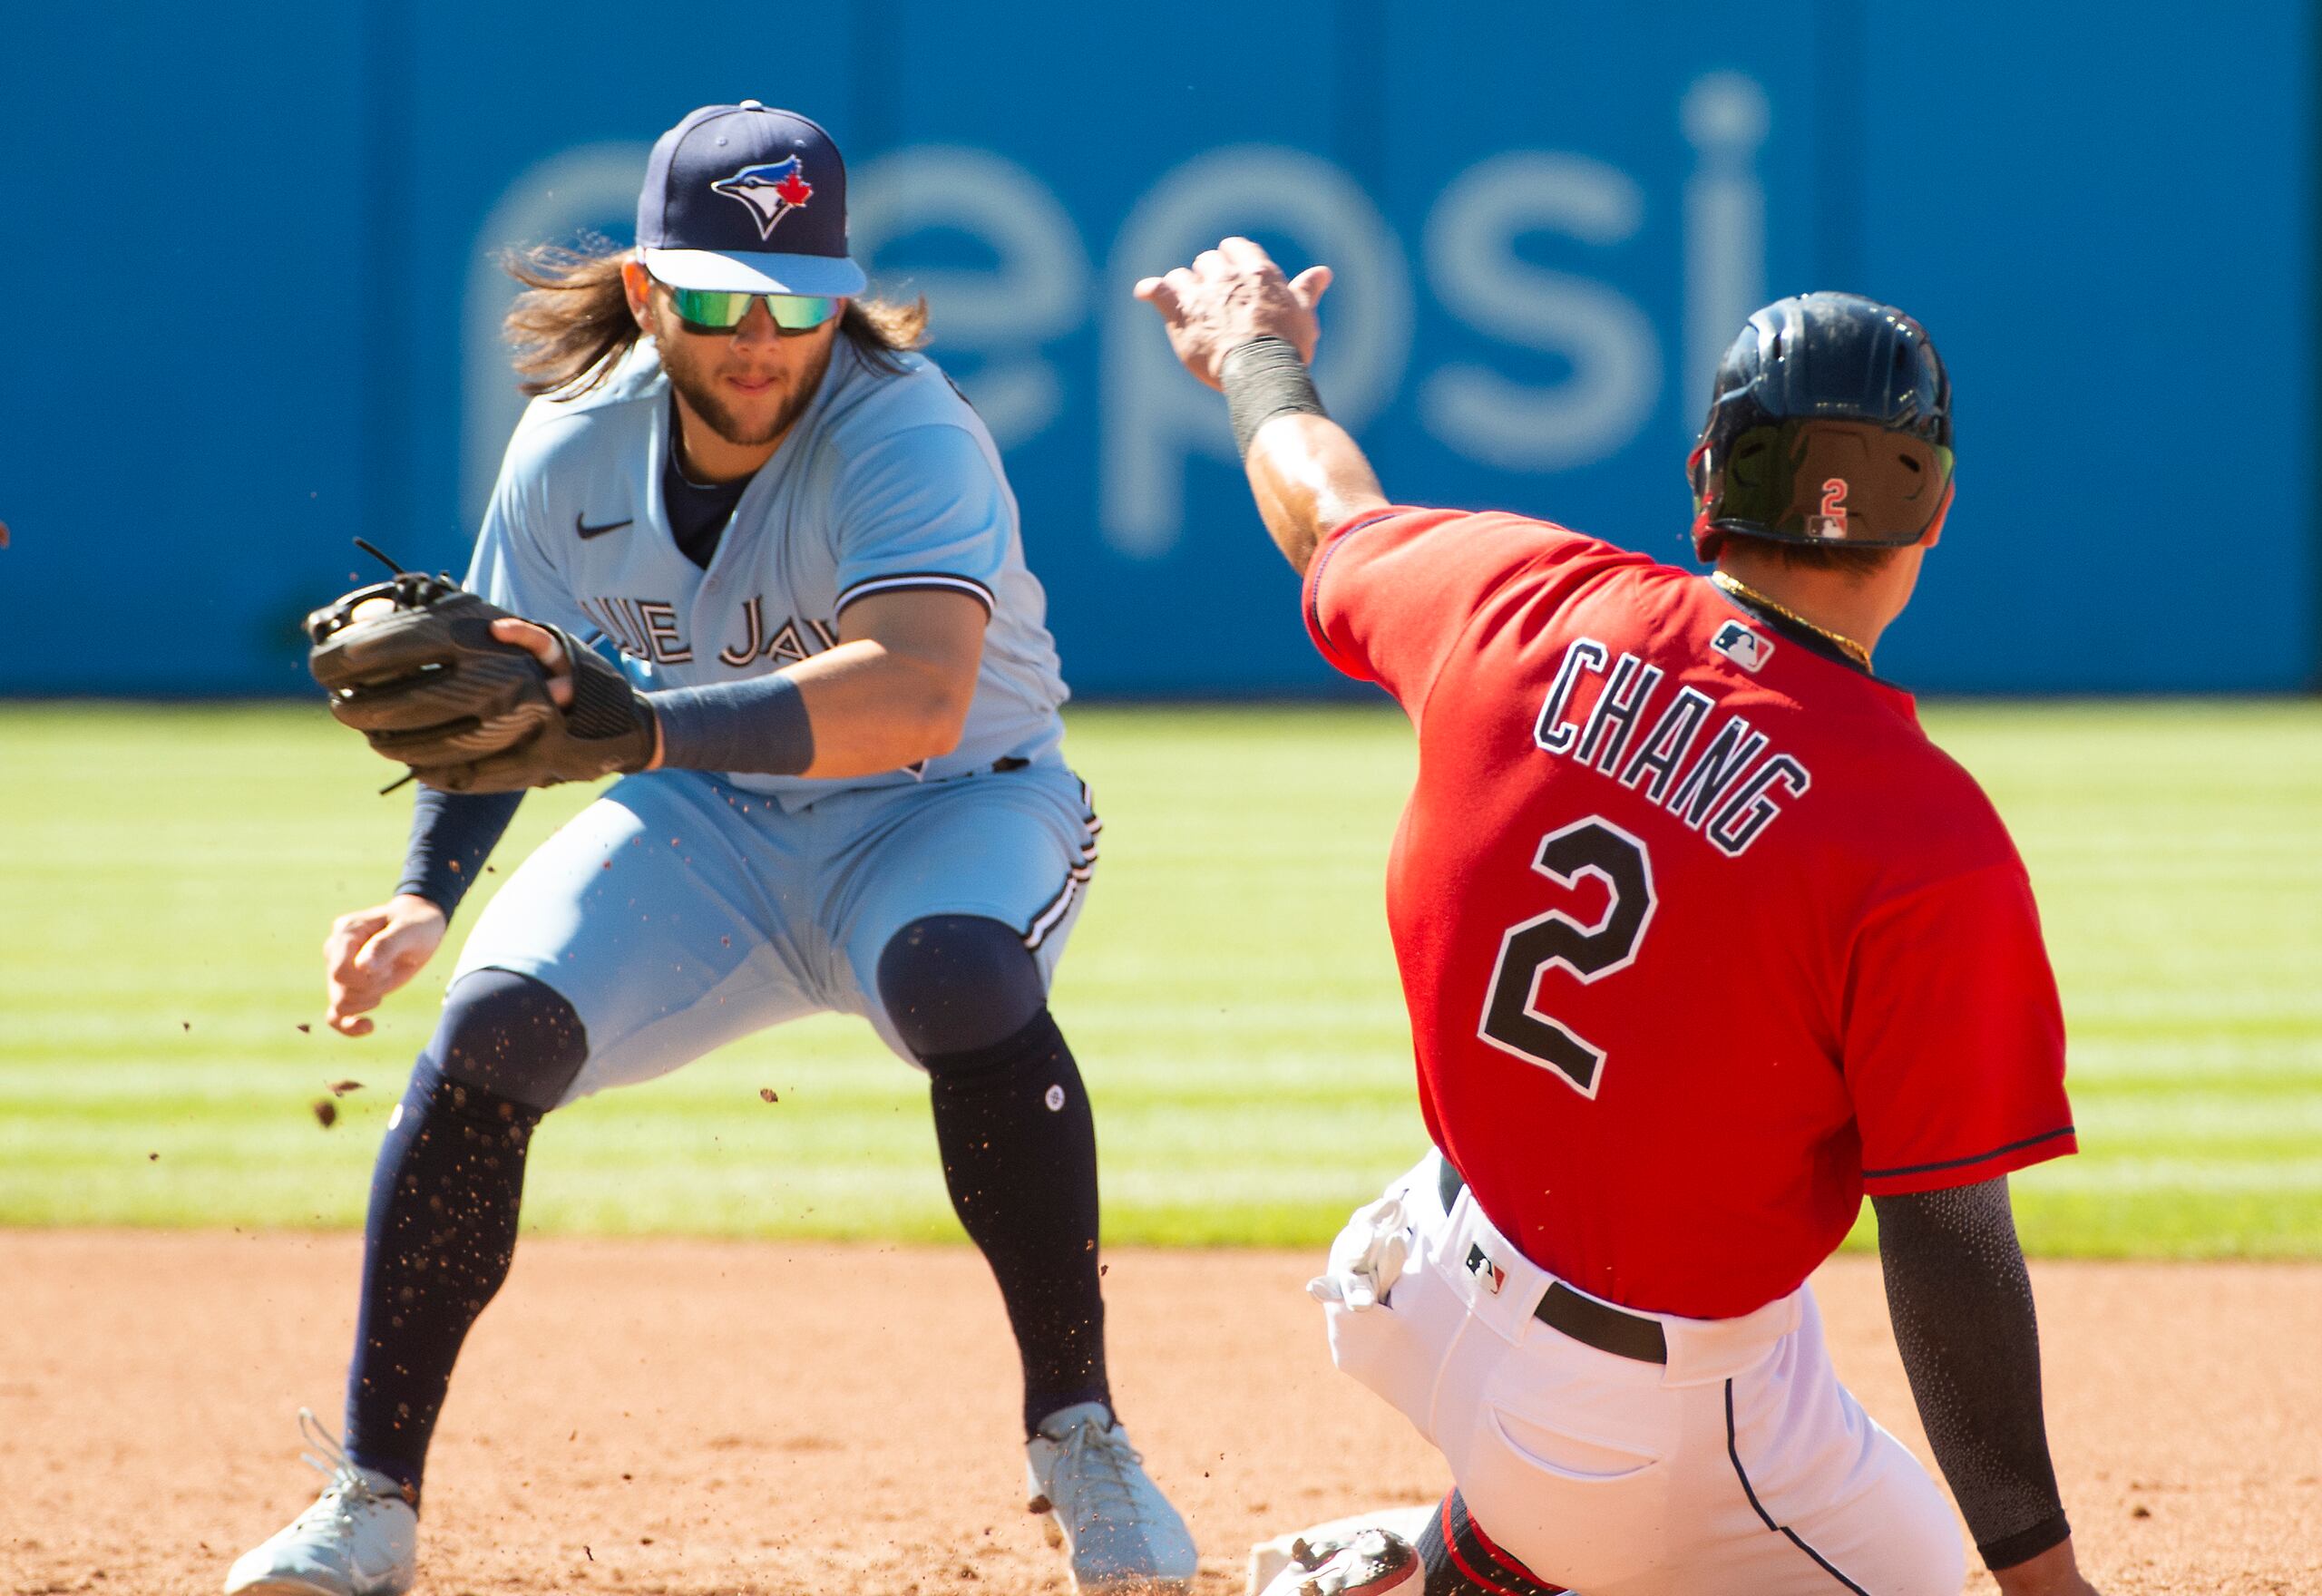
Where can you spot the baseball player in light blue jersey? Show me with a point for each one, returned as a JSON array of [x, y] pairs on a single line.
[[798, 540]]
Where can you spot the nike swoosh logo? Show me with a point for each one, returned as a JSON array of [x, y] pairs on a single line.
[[580, 525]]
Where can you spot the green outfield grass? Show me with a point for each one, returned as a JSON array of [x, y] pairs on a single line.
[[167, 874]]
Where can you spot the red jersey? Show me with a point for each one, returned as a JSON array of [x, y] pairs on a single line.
[[1702, 937]]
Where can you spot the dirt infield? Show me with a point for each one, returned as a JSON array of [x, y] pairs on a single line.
[[711, 1419]]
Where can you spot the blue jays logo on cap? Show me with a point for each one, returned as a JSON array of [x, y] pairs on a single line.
[[721, 181], [772, 190]]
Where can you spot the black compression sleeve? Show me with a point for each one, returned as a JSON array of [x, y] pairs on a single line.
[[452, 834], [758, 726], [1961, 1302]]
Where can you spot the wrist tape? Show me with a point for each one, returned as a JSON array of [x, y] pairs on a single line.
[[1265, 378]]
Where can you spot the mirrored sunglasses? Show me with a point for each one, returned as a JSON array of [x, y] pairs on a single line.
[[715, 310]]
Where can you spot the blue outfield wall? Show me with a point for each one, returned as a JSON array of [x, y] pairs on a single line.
[[249, 253]]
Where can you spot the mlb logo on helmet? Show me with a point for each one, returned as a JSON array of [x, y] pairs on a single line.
[[721, 181], [1747, 649]]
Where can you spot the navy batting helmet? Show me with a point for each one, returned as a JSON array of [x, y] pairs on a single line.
[[1830, 423]]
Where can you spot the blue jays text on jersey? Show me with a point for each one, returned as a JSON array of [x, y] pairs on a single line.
[[886, 482]]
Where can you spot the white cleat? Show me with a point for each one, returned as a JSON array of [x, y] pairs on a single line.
[[1269, 1558], [360, 1538], [1119, 1531], [1375, 1563]]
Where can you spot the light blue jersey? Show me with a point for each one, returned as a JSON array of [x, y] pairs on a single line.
[[886, 482], [684, 908]]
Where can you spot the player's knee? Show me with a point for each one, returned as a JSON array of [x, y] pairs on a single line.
[[510, 1035], [1036, 1049], [957, 984], [476, 1117]]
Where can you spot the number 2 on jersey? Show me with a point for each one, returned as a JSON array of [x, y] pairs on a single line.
[[1594, 847]]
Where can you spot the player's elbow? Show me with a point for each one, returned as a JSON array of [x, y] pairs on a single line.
[[949, 723], [937, 713], [934, 736]]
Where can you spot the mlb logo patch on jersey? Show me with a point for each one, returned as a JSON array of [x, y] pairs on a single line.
[[1489, 1275], [1745, 647]]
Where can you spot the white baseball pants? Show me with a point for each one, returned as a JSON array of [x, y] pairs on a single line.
[[1741, 1466]]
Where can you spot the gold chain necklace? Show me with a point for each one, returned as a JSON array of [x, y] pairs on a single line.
[[1742, 590]]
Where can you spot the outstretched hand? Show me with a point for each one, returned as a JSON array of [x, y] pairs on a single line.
[[371, 952], [1229, 296]]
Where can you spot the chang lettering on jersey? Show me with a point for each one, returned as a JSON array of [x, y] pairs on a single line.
[[885, 483], [1702, 937]]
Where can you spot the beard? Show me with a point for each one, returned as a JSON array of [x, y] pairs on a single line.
[[698, 388]]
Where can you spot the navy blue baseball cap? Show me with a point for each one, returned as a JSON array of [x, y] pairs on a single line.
[[745, 199]]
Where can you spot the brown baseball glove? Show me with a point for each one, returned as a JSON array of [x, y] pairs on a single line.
[[412, 663]]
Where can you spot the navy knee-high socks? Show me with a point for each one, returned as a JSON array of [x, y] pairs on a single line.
[[1020, 1159], [445, 1194], [1017, 1141], [1012, 1121]]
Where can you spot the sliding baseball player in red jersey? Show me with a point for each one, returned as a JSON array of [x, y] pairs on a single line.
[[1702, 941]]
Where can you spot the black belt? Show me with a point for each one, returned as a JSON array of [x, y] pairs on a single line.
[[1584, 1319]]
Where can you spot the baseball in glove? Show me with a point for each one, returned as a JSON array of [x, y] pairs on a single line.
[[412, 663]]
